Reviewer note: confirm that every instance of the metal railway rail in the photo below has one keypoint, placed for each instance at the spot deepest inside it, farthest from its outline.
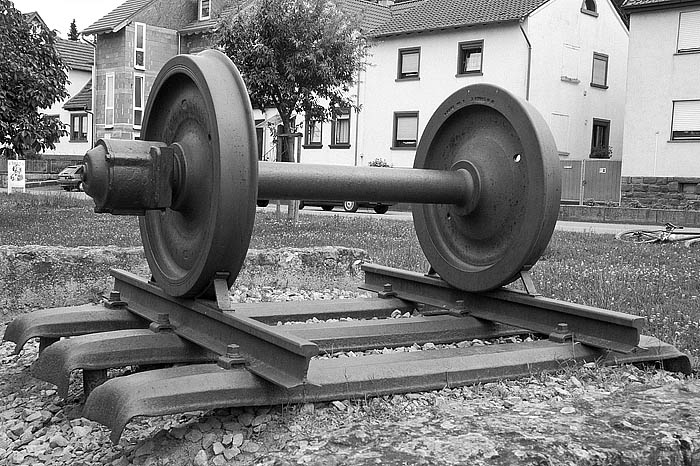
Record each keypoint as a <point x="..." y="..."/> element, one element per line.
<point x="486" y="187"/>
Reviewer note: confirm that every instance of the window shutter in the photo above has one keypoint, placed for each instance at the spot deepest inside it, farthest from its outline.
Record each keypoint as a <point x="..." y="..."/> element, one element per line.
<point x="406" y="128"/>
<point x="689" y="31"/>
<point x="686" y="115"/>
<point x="409" y="63"/>
<point x="600" y="66"/>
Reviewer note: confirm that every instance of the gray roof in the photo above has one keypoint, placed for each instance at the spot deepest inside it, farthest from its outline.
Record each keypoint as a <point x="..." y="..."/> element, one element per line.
<point x="656" y="4"/>
<point x="431" y="15"/>
<point x="76" y="55"/>
<point x="115" y="18"/>
<point x="82" y="100"/>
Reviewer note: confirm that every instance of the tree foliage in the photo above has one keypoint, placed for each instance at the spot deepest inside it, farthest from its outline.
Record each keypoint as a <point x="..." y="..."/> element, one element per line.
<point x="73" y="31"/>
<point x="32" y="77"/>
<point x="295" y="56"/>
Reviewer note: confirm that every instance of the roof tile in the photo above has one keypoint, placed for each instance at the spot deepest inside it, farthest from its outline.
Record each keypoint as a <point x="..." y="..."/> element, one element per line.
<point x="116" y="17"/>
<point x="631" y="4"/>
<point x="444" y="14"/>
<point x="75" y="54"/>
<point x="82" y="100"/>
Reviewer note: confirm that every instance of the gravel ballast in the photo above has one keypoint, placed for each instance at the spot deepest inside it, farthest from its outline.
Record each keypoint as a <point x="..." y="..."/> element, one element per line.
<point x="581" y="415"/>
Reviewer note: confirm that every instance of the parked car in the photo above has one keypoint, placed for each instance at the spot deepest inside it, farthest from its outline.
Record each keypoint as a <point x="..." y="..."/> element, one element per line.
<point x="348" y="206"/>
<point x="71" y="178"/>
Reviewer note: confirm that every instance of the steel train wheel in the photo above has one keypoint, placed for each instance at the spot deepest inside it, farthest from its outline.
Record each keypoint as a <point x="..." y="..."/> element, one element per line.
<point x="637" y="236"/>
<point x="508" y="145"/>
<point x="200" y="102"/>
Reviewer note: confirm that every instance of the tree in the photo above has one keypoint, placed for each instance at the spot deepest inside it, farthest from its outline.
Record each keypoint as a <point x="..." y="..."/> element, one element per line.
<point x="73" y="32"/>
<point x="295" y="56"/>
<point x="32" y="77"/>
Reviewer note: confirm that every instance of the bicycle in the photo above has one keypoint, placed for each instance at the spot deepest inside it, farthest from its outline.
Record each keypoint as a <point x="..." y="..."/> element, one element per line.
<point x="669" y="234"/>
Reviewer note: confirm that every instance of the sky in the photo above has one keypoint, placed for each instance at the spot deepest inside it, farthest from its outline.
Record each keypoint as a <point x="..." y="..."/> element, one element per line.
<point x="58" y="14"/>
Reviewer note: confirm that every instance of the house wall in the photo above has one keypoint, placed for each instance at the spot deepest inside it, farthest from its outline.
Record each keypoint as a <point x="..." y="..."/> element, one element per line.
<point x="168" y="14"/>
<point x="77" y="79"/>
<point x="504" y="64"/>
<point x="658" y="76"/>
<point x="115" y="54"/>
<point x="561" y="24"/>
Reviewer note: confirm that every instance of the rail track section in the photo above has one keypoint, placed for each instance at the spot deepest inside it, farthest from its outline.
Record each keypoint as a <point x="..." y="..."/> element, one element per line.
<point x="486" y="190"/>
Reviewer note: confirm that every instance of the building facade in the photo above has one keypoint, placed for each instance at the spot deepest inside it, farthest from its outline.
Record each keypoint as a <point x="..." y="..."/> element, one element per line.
<point x="662" y="141"/>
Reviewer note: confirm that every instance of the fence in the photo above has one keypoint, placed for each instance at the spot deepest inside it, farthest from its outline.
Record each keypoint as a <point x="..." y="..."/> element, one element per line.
<point x="590" y="181"/>
<point x="47" y="166"/>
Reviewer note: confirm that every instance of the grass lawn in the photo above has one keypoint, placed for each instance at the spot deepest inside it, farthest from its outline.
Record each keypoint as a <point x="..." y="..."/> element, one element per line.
<point x="659" y="282"/>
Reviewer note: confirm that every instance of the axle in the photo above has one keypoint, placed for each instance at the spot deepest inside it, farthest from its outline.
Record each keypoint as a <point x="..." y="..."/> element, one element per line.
<point x="131" y="177"/>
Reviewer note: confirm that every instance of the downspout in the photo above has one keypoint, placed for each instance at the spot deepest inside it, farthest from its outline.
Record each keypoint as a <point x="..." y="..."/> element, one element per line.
<point x="529" y="59"/>
<point x="357" y="114"/>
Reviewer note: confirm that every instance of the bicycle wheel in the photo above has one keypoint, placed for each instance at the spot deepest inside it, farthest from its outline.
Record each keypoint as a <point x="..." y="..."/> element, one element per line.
<point x="637" y="236"/>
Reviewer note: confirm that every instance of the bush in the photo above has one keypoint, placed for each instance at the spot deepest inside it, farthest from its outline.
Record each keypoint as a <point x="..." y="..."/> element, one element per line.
<point x="379" y="162"/>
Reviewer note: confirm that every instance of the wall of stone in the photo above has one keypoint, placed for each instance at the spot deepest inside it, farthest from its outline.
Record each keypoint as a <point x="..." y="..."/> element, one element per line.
<point x="661" y="192"/>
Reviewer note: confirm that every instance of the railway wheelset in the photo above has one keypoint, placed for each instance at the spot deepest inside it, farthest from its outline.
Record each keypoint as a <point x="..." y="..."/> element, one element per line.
<point x="485" y="193"/>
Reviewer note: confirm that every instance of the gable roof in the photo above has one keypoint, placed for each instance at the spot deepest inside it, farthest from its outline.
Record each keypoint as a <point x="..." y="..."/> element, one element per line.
<point x="116" y="19"/>
<point x="656" y="4"/>
<point x="82" y="100"/>
<point x="232" y="7"/>
<point x="370" y="14"/>
<point x="76" y="55"/>
<point x="433" y="15"/>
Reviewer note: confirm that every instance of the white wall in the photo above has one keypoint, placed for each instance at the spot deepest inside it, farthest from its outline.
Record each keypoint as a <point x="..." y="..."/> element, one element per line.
<point x="504" y="64"/>
<point x="77" y="79"/>
<point x="658" y="76"/>
<point x="561" y="22"/>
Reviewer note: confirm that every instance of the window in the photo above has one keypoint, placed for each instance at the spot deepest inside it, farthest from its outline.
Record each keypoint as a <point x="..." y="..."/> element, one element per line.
<point x="686" y="120"/>
<point x="470" y="58"/>
<point x="689" y="31"/>
<point x="340" y="128"/>
<point x="78" y="127"/>
<point x="138" y="100"/>
<point x="140" y="46"/>
<point x="313" y="134"/>
<point x="600" y="148"/>
<point x="409" y="63"/>
<point x="589" y="7"/>
<point x="600" y="71"/>
<point x="109" y="100"/>
<point x="204" y="9"/>
<point x="569" y="63"/>
<point x="405" y="130"/>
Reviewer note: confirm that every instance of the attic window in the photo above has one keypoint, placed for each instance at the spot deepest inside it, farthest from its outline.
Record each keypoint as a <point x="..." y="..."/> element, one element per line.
<point x="204" y="9"/>
<point x="589" y="7"/>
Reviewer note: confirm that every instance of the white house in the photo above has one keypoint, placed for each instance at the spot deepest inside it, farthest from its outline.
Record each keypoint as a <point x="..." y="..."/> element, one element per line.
<point x="76" y="110"/>
<point x="567" y="57"/>
<point x="662" y="131"/>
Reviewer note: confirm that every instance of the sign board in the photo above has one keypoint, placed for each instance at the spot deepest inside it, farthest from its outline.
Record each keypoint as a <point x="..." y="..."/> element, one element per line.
<point x="16" y="177"/>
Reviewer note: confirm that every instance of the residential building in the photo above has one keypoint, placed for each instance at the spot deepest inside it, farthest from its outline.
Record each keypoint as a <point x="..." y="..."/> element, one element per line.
<point x="661" y="164"/>
<point x="76" y="110"/>
<point x="567" y="57"/>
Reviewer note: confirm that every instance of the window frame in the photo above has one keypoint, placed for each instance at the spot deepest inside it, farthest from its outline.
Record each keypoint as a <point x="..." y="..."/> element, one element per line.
<point x="138" y="49"/>
<point x="586" y="10"/>
<point x="82" y="130"/>
<point x="109" y="100"/>
<point x="462" y="47"/>
<point x="308" y="142"/>
<point x="400" y="75"/>
<point x="601" y="57"/>
<point x="397" y="144"/>
<point x="200" y="10"/>
<point x="679" y="50"/>
<point x="606" y="124"/>
<point x="342" y="113"/>
<point x="690" y="138"/>
<point x="139" y="108"/>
